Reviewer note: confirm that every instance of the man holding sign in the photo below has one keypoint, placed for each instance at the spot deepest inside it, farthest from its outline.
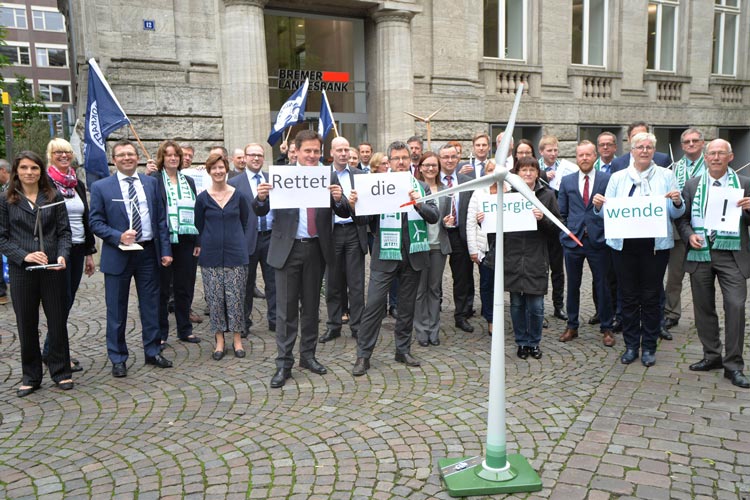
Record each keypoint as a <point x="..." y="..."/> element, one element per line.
<point x="301" y="246"/>
<point x="716" y="253"/>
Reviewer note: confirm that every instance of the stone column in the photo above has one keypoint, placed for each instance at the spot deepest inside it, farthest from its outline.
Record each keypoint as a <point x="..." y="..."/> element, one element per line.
<point x="244" y="74"/>
<point x="392" y="90"/>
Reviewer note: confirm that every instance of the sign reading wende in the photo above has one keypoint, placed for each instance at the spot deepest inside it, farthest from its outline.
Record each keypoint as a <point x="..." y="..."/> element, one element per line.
<point x="636" y="217"/>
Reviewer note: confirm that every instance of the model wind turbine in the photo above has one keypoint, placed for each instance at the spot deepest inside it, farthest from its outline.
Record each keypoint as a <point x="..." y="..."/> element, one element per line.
<point x="428" y="122"/>
<point x="496" y="472"/>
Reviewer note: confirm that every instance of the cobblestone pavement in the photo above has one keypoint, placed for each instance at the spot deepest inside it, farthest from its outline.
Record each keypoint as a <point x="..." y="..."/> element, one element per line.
<point x="592" y="427"/>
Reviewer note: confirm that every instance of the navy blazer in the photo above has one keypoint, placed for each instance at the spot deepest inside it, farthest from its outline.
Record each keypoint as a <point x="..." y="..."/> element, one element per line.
<point x="109" y="219"/>
<point x="242" y="184"/>
<point x="578" y="217"/>
<point x="622" y="162"/>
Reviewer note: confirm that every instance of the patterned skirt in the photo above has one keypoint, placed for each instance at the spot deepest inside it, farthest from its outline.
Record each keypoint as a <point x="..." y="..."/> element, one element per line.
<point x="224" y="291"/>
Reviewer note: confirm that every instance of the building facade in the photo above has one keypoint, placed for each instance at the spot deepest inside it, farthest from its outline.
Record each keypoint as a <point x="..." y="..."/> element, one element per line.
<point x="217" y="71"/>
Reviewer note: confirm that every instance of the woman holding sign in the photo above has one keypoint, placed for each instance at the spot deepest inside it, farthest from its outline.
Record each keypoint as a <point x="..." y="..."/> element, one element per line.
<point x="641" y="261"/>
<point x="35" y="232"/>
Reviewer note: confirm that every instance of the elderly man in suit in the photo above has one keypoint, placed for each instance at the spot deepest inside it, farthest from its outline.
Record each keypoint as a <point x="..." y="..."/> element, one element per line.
<point x="721" y="255"/>
<point x="404" y="261"/>
<point x="121" y="224"/>
<point x="577" y="212"/>
<point x="301" y="247"/>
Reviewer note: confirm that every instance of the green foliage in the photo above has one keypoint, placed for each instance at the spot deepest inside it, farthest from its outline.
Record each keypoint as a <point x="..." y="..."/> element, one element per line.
<point x="30" y="128"/>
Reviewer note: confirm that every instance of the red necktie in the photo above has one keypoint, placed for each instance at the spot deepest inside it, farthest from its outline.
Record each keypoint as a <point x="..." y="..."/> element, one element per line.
<point x="585" y="190"/>
<point x="454" y="213"/>
<point x="312" y="227"/>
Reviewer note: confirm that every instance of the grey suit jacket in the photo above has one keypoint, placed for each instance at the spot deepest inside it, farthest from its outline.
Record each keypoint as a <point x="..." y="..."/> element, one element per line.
<point x="361" y="230"/>
<point x="742" y="256"/>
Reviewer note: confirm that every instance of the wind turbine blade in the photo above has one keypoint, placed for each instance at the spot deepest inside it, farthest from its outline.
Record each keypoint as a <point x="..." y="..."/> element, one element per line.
<point x="415" y="116"/>
<point x="522" y="188"/>
<point x="487" y="180"/>
<point x="502" y="150"/>
<point x="436" y="112"/>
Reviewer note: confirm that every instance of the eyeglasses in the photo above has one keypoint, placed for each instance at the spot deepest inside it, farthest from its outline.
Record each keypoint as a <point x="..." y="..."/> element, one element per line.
<point x="692" y="141"/>
<point x="717" y="153"/>
<point x="126" y="155"/>
<point x="254" y="155"/>
<point x="427" y="166"/>
<point x="60" y="153"/>
<point x="606" y="144"/>
<point x="644" y="148"/>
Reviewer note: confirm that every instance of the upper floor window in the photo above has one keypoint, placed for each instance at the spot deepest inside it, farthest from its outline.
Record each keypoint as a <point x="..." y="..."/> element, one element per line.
<point x="11" y="87"/>
<point x="54" y="92"/>
<point x="13" y="17"/>
<point x="726" y="27"/>
<point x="47" y="20"/>
<point x="17" y="54"/>
<point x="505" y="29"/>
<point x="590" y="32"/>
<point x="55" y="56"/>
<point x="662" y="34"/>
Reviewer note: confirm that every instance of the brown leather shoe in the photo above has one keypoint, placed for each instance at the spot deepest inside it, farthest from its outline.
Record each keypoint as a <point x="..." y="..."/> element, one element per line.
<point x="608" y="339"/>
<point x="568" y="335"/>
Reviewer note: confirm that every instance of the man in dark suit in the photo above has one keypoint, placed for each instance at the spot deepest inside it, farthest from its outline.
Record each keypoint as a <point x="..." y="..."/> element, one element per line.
<point x="118" y="224"/>
<point x="365" y="154"/>
<point x="406" y="267"/>
<point x="301" y="246"/>
<point x="575" y="198"/>
<point x="347" y="271"/>
<point x="258" y="237"/>
<point x="461" y="265"/>
<point x="717" y="255"/>
<point x="480" y="145"/>
<point x="622" y="162"/>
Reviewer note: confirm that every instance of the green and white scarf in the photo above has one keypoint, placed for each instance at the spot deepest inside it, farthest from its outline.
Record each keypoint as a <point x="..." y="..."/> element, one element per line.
<point x="598" y="163"/>
<point x="180" y="207"/>
<point x="390" y="231"/>
<point x="683" y="172"/>
<point x="725" y="240"/>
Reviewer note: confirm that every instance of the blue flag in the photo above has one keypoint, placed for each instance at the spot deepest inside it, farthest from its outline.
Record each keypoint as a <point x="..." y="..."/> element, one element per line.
<point x="104" y="115"/>
<point x="293" y="111"/>
<point x="325" y="121"/>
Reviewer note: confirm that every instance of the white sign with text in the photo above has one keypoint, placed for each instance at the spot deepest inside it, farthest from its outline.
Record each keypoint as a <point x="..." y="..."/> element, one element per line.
<point x="636" y="217"/>
<point x="564" y="168"/>
<point x="382" y="193"/>
<point x="722" y="212"/>
<point x="293" y="186"/>
<point x="517" y="214"/>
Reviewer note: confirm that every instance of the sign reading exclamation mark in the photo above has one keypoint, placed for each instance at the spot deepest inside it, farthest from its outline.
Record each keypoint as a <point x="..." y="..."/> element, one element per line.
<point x="724" y="211"/>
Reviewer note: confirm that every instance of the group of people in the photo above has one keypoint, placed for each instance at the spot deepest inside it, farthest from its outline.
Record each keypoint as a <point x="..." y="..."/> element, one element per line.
<point x="157" y="228"/>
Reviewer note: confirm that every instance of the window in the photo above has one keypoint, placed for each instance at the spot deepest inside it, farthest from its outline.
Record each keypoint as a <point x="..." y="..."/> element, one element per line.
<point x="50" y="56"/>
<point x="505" y="29"/>
<point x="590" y="32"/>
<point x="11" y="87"/>
<point x="726" y="22"/>
<point x="662" y="34"/>
<point x="54" y="92"/>
<point x="18" y="55"/>
<point x="47" y="20"/>
<point x="13" y="17"/>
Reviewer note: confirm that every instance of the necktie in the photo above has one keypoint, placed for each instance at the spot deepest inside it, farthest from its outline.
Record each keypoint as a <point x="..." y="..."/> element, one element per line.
<point x="605" y="168"/>
<point x="481" y="168"/>
<point x="585" y="190"/>
<point x="135" y="213"/>
<point x="262" y="222"/>
<point x="454" y="213"/>
<point x="712" y="234"/>
<point x="312" y="227"/>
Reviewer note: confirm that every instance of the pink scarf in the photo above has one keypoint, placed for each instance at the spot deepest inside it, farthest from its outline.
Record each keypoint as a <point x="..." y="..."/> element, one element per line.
<point x="65" y="183"/>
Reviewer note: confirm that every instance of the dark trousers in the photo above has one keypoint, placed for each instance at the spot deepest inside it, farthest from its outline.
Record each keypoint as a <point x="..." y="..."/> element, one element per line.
<point x="298" y="300"/>
<point x="260" y="256"/>
<point x="377" y="291"/>
<point x="557" y="272"/>
<point x="142" y="266"/>
<point x="487" y="291"/>
<point x="598" y="259"/>
<point x="180" y="275"/>
<point x="612" y="290"/>
<point x="73" y="273"/>
<point x="642" y="272"/>
<point x="346" y="272"/>
<point x="29" y="288"/>
<point x="462" y="269"/>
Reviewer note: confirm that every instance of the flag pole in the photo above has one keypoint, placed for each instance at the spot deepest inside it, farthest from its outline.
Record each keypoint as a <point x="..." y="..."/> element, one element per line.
<point x="145" y="152"/>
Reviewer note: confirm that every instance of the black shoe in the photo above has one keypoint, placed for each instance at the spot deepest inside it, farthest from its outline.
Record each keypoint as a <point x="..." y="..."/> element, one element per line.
<point x="22" y="393"/>
<point x="664" y="334"/>
<point x="393" y="311"/>
<point x="407" y="359"/>
<point x="75" y="368"/>
<point x="271" y="326"/>
<point x="239" y="353"/>
<point x="464" y="325"/>
<point x="424" y="343"/>
<point x="522" y="352"/>
<point x="705" y="365"/>
<point x="360" y="367"/>
<point x="534" y="352"/>
<point x="617" y="326"/>
<point x="280" y="377"/>
<point x="329" y="335"/>
<point x="648" y="358"/>
<point x="629" y="356"/>
<point x="119" y="370"/>
<point x="435" y="342"/>
<point x="66" y="385"/>
<point x="258" y="293"/>
<point x="670" y="323"/>
<point x="594" y="320"/>
<point x="218" y="355"/>
<point x="560" y="314"/>
<point x="159" y="361"/>
<point x="738" y="378"/>
<point x="190" y="339"/>
<point x="313" y="365"/>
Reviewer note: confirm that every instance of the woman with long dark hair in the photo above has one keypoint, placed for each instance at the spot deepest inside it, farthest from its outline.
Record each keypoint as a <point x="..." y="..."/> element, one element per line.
<point x="30" y="236"/>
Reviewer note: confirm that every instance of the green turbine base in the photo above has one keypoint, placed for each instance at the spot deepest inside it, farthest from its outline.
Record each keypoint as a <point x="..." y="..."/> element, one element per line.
<point x="475" y="480"/>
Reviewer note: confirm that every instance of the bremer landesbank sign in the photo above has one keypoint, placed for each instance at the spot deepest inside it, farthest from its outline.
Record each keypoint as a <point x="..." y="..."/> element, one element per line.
<point x="330" y="81"/>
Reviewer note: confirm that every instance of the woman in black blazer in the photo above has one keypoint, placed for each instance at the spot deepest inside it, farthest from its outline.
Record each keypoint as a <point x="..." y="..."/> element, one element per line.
<point x="29" y="238"/>
<point x="178" y="196"/>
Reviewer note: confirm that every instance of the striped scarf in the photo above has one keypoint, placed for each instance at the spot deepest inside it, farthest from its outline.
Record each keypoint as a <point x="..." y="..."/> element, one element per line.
<point x="724" y="240"/>
<point x="683" y="171"/>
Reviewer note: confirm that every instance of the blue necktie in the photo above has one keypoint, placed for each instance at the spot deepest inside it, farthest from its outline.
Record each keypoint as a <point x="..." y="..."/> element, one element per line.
<point x="135" y="213"/>
<point x="262" y="222"/>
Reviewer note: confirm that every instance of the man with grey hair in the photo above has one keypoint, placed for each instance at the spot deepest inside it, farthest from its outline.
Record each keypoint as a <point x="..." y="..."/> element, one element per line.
<point x="722" y="255"/>
<point x="4" y="180"/>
